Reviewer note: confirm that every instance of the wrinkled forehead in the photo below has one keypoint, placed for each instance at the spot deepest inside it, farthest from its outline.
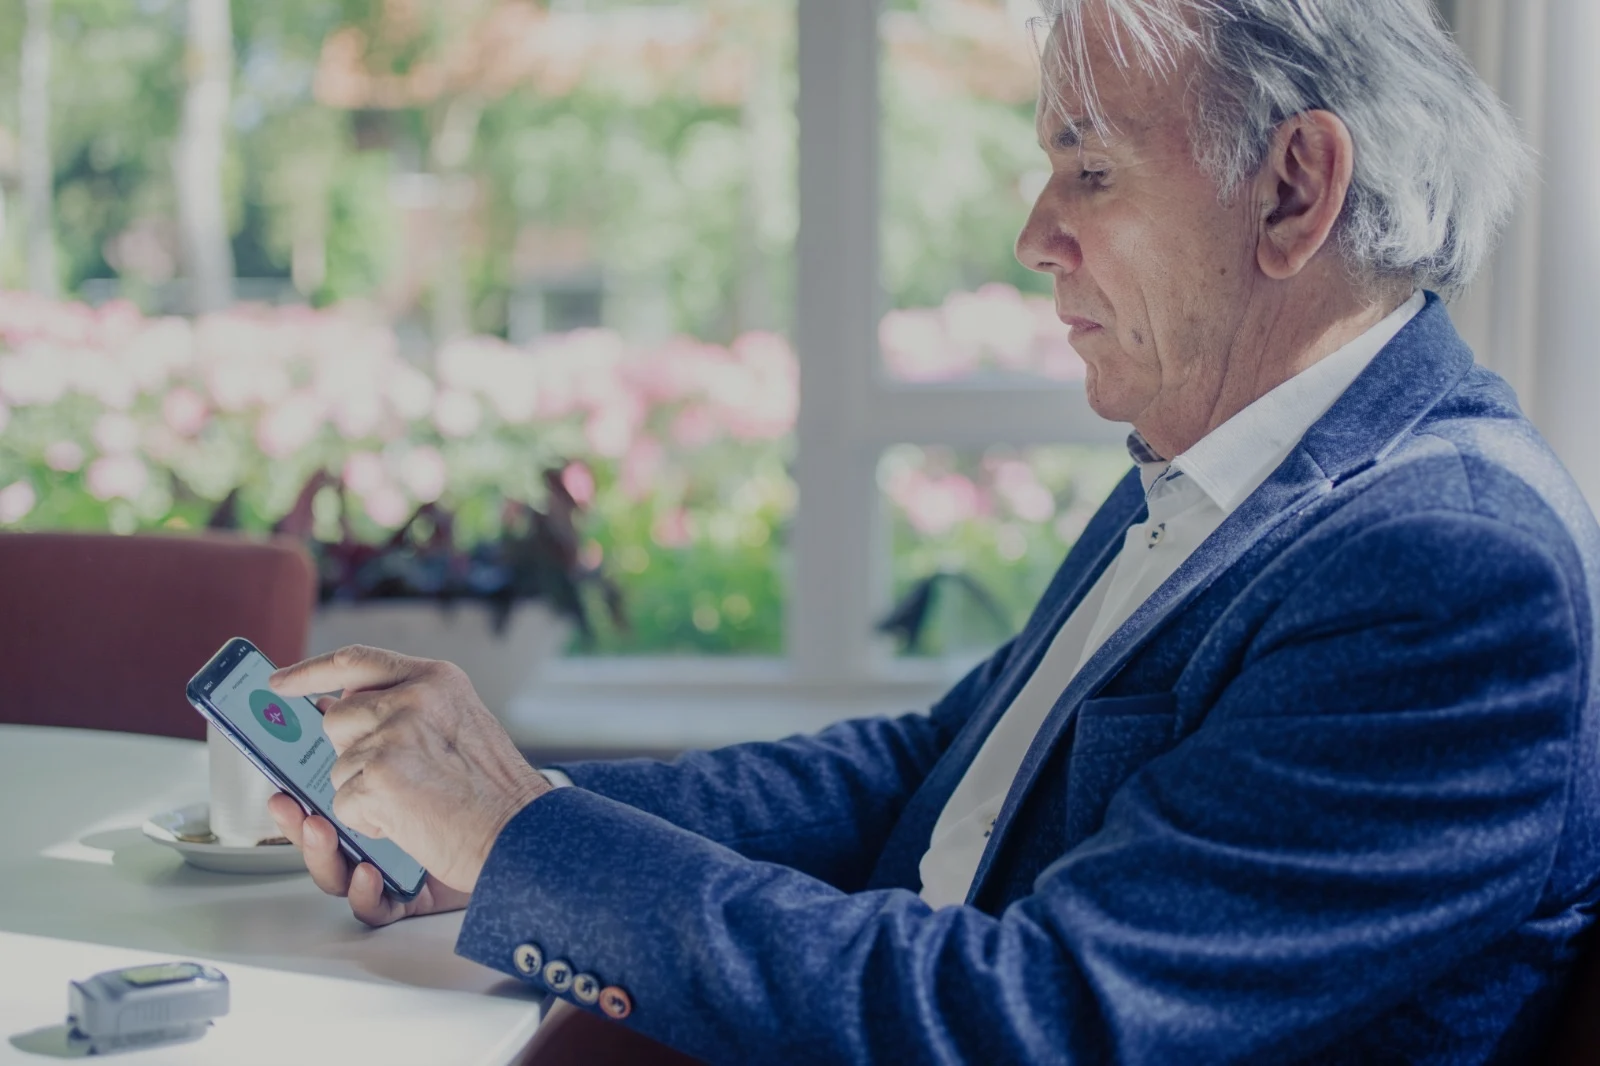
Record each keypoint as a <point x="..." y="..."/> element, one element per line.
<point x="1109" y="64"/>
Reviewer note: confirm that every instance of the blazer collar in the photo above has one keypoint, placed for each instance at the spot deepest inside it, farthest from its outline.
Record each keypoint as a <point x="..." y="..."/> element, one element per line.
<point x="1423" y="362"/>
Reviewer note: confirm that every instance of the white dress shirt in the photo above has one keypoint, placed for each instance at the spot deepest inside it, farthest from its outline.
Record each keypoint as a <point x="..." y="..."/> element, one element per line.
<point x="1187" y="499"/>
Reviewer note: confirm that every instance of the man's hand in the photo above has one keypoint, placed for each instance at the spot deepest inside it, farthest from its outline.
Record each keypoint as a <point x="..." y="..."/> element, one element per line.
<point x="362" y="885"/>
<point x="421" y="761"/>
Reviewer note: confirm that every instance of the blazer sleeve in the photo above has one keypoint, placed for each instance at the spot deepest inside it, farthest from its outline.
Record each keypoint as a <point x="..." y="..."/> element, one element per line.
<point x="1376" y="795"/>
<point x="823" y="804"/>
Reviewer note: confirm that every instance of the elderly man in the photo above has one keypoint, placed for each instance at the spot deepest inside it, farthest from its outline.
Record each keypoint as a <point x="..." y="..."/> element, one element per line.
<point x="1297" y="757"/>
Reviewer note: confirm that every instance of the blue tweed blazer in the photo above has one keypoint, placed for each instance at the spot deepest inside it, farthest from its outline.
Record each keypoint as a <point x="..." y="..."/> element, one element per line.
<point x="1331" y="795"/>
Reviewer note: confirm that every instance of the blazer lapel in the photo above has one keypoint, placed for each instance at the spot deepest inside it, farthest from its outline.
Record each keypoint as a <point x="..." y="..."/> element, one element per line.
<point x="902" y="854"/>
<point x="1406" y="379"/>
<point x="1296" y="483"/>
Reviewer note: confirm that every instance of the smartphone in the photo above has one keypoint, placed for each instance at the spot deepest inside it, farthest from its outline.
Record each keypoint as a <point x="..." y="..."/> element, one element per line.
<point x="284" y="738"/>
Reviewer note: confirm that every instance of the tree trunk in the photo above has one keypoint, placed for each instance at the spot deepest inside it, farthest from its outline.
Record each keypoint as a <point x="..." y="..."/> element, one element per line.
<point x="38" y="175"/>
<point x="449" y="152"/>
<point x="197" y="162"/>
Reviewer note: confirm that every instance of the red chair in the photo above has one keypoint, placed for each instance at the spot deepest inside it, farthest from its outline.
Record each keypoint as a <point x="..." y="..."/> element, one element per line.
<point x="571" y="1037"/>
<point x="103" y="632"/>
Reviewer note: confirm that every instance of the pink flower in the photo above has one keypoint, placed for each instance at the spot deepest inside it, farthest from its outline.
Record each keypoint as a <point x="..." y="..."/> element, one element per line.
<point x="289" y="426"/>
<point x="240" y="382"/>
<point x="671" y="529"/>
<point x="457" y="414"/>
<point x="184" y="411"/>
<point x="938" y="505"/>
<point x="916" y="348"/>
<point x="64" y="456"/>
<point x="116" y="434"/>
<point x="424" y="474"/>
<point x="158" y="349"/>
<point x="994" y="320"/>
<point x="99" y="375"/>
<point x="579" y="483"/>
<point x="356" y="415"/>
<point x="364" y="473"/>
<point x="515" y="396"/>
<point x="695" y="427"/>
<point x="112" y="476"/>
<point x="16" y="500"/>
<point x="35" y="376"/>
<point x="410" y="392"/>
<point x="641" y="466"/>
<point x="610" y="431"/>
<point x="471" y="364"/>
<point x="387" y="506"/>
<point x="760" y="398"/>
<point x="1017" y="485"/>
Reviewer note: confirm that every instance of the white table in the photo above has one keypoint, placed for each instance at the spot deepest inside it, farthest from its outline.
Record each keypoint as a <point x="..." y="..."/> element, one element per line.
<point x="82" y="890"/>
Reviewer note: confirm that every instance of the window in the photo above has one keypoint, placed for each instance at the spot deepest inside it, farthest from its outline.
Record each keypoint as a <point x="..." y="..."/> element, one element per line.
<point x="870" y="313"/>
<point x="805" y="209"/>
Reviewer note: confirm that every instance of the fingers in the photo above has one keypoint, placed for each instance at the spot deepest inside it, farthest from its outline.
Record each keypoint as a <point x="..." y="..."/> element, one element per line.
<point x="287" y="813"/>
<point x="320" y="845"/>
<point x="350" y="668"/>
<point x="367" y="899"/>
<point x="330" y="870"/>
<point x="349" y="764"/>
<point x="346" y="721"/>
<point x="352" y="805"/>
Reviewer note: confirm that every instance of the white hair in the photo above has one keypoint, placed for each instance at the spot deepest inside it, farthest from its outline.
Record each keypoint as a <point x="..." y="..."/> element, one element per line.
<point x="1439" y="162"/>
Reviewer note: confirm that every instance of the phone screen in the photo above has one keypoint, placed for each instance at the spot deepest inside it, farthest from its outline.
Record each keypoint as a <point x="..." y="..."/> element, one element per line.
<point x="287" y="733"/>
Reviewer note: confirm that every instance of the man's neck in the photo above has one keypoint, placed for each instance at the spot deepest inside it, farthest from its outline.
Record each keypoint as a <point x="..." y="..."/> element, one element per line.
<point x="1271" y="345"/>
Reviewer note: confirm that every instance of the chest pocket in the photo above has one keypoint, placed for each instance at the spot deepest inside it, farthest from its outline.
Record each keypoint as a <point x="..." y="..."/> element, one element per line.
<point x="1112" y="739"/>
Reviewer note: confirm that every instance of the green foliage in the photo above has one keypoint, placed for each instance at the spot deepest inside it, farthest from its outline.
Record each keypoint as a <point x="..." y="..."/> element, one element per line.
<point x="685" y="209"/>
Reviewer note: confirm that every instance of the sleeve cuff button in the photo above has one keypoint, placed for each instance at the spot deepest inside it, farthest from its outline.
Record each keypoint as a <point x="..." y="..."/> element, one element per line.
<point x="586" y="989"/>
<point x="616" y="1003"/>
<point x="558" y="975"/>
<point x="528" y="959"/>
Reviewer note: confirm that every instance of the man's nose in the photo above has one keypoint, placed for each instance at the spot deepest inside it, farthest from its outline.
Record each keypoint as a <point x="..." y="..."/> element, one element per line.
<point x="1048" y="242"/>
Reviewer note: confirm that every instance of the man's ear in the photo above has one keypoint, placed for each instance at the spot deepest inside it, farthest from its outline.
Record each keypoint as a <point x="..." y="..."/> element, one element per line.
<point x="1301" y="188"/>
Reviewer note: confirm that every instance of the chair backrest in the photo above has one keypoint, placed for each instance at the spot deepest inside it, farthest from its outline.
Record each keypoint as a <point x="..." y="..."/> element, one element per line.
<point x="568" y="1036"/>
<point x="103" y="632"/>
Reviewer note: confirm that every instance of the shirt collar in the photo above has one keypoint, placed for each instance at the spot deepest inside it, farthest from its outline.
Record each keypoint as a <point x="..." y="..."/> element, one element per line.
<point x="1231" y="461"/>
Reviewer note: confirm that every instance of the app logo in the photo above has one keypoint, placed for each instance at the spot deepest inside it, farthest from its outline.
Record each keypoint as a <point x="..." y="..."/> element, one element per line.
<point x="273" y="712"/>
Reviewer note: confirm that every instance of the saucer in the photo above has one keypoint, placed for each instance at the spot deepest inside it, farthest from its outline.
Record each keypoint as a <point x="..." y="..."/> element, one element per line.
<point x="195" y="821"/>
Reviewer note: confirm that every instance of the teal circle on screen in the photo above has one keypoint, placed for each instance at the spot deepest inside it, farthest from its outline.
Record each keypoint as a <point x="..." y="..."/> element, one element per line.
<point x="273" y="712"/>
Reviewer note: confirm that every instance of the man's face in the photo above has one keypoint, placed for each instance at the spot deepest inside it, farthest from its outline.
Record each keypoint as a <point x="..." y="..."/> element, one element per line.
<point x="1151" y="270"/>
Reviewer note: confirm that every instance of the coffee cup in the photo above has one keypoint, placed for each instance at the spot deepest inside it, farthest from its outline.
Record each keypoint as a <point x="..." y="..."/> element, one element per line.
<point x="239" y="794"/>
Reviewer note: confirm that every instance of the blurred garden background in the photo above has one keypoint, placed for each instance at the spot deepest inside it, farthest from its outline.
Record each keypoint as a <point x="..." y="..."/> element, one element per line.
<point x="435" y="248"/>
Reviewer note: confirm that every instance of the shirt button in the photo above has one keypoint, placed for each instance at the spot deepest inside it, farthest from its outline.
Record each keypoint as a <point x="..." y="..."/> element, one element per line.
<point x="558" y="975"/>
<point x="586" y="989"/>
<point x="528" y="959"/>
<point x="616" y="1003"/>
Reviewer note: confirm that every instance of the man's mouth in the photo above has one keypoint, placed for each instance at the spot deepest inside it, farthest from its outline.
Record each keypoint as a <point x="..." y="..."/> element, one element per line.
<point x="1079" y="325"/>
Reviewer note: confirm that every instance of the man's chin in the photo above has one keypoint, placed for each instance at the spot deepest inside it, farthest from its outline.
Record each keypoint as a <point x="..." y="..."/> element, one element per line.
<point x="1107" y="399"/>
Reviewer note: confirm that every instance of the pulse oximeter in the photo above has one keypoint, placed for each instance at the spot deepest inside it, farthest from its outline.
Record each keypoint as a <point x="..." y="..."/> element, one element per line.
<point x="143" y="1006"/>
